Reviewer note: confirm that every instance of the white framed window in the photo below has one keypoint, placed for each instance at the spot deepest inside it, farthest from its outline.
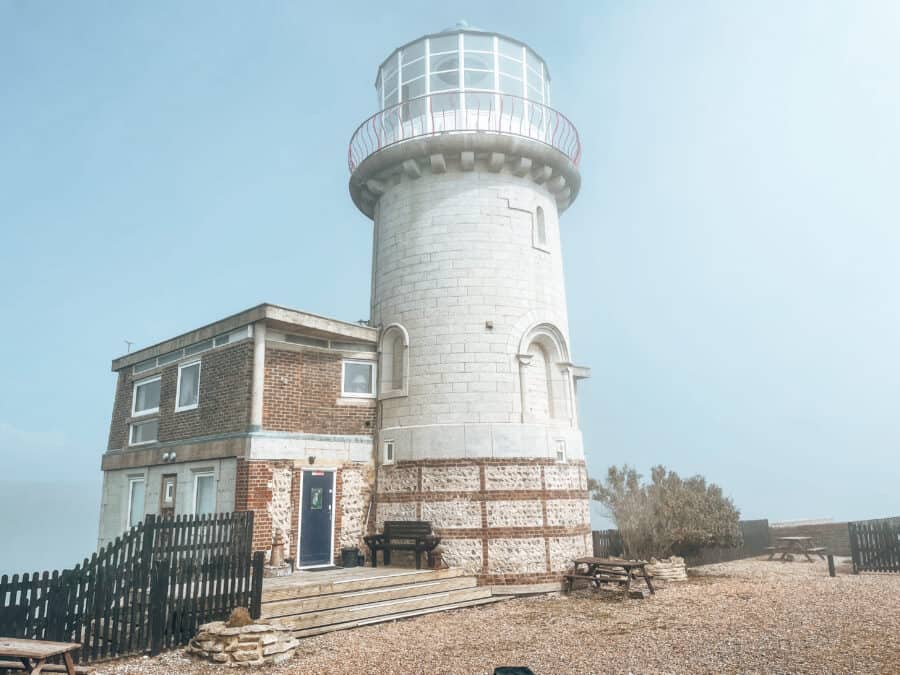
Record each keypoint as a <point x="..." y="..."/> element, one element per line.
<point x="204" y="492"/>
<point x="135" y="501"/>
<point x="144" y="432"/>
<point x="358" y="379"/>
<point x="187" y="392"/>
<point x="561" y="451"/>
<point x="145" y="397"/>
<point x="388" y="456"/>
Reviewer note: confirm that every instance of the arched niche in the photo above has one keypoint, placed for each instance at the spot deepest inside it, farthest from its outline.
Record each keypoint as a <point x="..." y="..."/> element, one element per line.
<point x="393" y="373"/>
<point x="545" y="376"/>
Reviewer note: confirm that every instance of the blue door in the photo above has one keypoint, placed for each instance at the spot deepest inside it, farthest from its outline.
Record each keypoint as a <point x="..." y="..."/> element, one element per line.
<point x="316" y="518"/>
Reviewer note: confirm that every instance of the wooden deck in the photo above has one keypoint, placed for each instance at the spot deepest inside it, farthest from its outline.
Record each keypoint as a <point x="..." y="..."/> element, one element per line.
<point x="314" y="602"/>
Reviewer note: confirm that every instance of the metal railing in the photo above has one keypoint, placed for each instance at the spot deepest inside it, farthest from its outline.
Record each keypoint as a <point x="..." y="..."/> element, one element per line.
<point x="468" y="112"/>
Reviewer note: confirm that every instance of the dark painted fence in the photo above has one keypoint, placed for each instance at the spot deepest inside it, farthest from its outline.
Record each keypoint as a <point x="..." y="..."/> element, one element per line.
<point x="754" y="533"/>
<point x="607" y="543"/>
<point x="875" y="545"/>
<point x="145" y="592"/>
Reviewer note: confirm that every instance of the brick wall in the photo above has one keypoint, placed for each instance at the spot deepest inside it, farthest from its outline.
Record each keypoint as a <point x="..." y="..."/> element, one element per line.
<point x="225" y="380"/>
<point x="303" y="394"/>
<point x="253" y="492"/>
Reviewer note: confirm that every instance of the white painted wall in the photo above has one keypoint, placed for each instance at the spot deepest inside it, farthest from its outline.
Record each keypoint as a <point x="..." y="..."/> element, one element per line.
<point x="114" y="507"/>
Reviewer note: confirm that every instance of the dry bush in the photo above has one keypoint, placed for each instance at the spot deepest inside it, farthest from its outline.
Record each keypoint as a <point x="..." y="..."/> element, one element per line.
<point x="669" y="515"/>
<point x="239" y="618"/>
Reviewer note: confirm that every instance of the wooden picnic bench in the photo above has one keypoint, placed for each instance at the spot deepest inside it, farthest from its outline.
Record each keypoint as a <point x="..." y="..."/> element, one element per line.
<point x="403" y="535"/>
<point x="609" y="571"/>
<point x="790" y="546"/>
<point x="31" y="656"/>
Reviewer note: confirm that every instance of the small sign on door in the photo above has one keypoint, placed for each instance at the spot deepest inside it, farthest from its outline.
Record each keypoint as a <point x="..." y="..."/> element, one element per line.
<point x="315" y="498"/>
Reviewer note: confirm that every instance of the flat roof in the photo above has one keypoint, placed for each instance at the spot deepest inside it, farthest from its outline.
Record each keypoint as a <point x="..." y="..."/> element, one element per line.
<point x="273" y="315"/>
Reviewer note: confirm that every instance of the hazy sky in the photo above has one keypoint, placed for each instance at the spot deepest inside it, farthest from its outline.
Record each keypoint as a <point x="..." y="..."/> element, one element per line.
<point x="731" y="261"/>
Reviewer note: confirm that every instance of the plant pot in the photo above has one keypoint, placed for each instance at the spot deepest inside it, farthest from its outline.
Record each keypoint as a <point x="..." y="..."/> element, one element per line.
<point x="349" y="556"/>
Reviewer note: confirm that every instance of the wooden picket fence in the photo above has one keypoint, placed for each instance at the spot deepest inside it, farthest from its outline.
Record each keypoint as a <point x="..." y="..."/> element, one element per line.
<point x="607" y="543"/>
<point x="875" y="545"/>
<point x="145" y="592"/>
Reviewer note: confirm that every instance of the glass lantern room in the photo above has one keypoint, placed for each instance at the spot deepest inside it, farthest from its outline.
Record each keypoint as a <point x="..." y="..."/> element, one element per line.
<point x="463" y="80"/>
<point x="470" y="63"/>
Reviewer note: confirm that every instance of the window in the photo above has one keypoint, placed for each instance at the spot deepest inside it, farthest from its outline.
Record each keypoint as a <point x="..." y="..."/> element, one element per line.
<point x="146" y="397"/>
<point x="187" y="393"/>
<point x="135" y="501"/>
<point x="204" y="493"/>
<point x="144" y="432"/>
<point x="540" y="228"/>
<point x="560" y="451"/>
<point x="358" y="379"/>
<point x="388" y="453"/>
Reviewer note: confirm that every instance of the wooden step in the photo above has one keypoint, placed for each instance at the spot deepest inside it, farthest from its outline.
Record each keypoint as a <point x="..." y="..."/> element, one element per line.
<point x="319" y="630"/>
<point x="370" y="610"/>
<point x="295" y="587"/>
<point x="295" y="606"/>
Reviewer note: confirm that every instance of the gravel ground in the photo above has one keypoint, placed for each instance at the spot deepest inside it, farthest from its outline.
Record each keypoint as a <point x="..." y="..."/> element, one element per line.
<point x="750" y="616"/>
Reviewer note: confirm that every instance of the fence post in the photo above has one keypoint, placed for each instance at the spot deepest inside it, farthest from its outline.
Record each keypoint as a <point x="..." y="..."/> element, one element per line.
<point x="259" y="559"/>
<point x="159" y="583"/>
<point x="854" y="547"/>
<point x="830" y="565"/>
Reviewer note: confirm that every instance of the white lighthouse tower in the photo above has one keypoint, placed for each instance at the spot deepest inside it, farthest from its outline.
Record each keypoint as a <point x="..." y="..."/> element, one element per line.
<point x="465" y="170"/>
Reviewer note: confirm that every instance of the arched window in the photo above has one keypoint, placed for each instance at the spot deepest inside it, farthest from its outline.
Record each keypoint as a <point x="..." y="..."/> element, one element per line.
<point x="540" y="228"/>
<point x="394" y="371"/>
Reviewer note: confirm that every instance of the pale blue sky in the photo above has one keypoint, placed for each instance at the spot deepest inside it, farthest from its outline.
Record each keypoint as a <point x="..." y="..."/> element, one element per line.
<point x="731" y="262"/>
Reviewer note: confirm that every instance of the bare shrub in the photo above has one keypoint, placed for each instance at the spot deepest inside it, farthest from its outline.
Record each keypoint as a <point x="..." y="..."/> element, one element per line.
<point x="669" y="515"/>
<point x="239" y="618"/>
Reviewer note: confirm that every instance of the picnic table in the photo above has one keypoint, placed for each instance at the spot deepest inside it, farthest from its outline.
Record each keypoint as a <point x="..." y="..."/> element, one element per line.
<point x="609" y="570"/>
<point x="790" y="546"/>
<point x="31" y="655"/>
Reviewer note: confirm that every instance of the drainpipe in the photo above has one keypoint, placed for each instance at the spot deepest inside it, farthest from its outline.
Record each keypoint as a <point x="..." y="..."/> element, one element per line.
<point x="259" y="376"/>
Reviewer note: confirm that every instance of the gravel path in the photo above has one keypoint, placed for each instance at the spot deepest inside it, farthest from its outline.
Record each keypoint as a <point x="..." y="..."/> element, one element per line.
<point x="749" y="616"/>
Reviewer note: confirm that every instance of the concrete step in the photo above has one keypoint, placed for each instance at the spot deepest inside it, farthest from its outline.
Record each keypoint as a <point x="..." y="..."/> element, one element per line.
<point x="289" y="588"/>
<point x="319" y="630"/>
<point x="372" y="610"/>
<point x="297" y="606"/>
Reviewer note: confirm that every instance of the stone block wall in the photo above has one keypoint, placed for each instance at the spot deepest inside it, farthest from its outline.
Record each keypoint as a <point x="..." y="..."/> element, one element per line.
<point x="515" y="521"/>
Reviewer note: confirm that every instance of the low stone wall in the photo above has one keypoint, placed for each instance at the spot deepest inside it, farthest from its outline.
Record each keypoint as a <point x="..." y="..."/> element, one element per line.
<point x="833" y="536"/>
<point x="668" y="569"/>
<point x="254" y="645"/>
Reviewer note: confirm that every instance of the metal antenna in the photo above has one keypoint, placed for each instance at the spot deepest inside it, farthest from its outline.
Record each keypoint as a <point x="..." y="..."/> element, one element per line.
<point x="129" y="343"/>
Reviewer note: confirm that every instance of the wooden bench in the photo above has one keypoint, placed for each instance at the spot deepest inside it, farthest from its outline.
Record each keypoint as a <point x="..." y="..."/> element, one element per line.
<point x="31" y="656"/>
<point x="17" y="667"/>
<point x="403" y="535"/>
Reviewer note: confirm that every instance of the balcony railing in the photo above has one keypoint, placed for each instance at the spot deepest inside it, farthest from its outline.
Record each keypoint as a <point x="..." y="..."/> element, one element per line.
<point x="469" y="112"/>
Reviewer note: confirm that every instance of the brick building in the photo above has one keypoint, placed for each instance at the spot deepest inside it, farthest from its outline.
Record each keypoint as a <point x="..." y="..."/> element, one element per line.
<point x="456" y="403"/>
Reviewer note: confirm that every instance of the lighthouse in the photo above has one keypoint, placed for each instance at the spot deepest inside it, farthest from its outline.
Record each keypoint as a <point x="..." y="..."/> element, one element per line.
<point x="465" y="170"/>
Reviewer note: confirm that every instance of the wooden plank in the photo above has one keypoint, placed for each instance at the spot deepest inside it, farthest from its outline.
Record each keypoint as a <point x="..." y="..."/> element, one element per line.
<point x="356" y="579"/>
<point x="375" y="609"/>
<point x="288" y="608"/>
<point x="319" y="630"/>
